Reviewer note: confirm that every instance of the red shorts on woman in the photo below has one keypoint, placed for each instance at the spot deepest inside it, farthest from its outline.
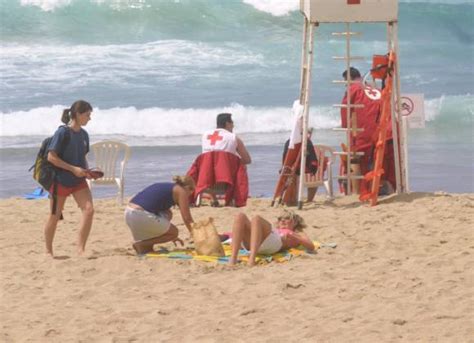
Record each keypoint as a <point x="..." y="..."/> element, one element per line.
<point x="65" y="191"/>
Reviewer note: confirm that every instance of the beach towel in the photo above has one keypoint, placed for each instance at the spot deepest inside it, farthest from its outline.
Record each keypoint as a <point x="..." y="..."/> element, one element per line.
<point x="280" y="257"/>
<point x="38" y="193"/>
<point x="215" y="167"/>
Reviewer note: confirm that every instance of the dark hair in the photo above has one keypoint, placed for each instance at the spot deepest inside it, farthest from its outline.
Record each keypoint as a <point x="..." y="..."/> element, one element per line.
<point x="354" y="72"/>
<point x="222" y="119"/>
<point x="80" y="106"/>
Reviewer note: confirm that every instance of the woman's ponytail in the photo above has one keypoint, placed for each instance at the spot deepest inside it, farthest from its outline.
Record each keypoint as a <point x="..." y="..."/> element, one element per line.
<point x="66" y="117"/>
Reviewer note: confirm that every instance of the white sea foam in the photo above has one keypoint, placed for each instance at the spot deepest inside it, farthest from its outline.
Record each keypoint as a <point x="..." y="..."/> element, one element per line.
<point x="176" y="122"/>
<point x="178" y="127"/>
<point x="276" y="8"/>
<point x="46" y="5"/>
<point x="162" y="122"/>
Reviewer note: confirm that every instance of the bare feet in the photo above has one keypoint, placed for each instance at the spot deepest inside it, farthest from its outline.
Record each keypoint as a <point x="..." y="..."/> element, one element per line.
<point x="141" y="248"/>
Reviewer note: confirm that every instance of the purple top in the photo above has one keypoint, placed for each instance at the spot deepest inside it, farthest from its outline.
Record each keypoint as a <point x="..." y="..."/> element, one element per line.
<point x="155" y="198"/>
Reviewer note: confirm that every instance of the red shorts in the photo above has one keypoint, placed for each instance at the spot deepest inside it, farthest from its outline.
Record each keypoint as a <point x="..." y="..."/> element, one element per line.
<point x="64" y="191"/>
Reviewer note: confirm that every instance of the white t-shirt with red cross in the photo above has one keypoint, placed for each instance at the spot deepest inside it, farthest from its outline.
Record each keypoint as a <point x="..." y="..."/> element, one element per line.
<point x="219" y="139"/>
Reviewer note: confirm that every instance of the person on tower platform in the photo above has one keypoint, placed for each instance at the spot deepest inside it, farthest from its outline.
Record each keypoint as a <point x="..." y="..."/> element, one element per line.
<point x="365" y="118"/>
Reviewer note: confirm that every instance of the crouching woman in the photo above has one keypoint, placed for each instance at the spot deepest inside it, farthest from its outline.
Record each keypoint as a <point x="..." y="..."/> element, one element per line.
<point x="148" y="214"/>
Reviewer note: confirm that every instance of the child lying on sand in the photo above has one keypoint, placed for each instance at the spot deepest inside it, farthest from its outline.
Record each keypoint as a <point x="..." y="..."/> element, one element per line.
<point x="260" y="237"/>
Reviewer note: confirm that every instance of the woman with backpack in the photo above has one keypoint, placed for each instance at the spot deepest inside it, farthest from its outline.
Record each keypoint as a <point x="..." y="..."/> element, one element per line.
<point x="67" y="153"/>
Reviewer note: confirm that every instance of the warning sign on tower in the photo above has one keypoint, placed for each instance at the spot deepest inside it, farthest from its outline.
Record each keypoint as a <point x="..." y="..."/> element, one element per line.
<point x="413" y="109"/>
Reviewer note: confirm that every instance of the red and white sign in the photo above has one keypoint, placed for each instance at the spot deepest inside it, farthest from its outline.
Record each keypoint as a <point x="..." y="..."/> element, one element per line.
<point x="407" y="106"/>
<point x="413" y="109"/>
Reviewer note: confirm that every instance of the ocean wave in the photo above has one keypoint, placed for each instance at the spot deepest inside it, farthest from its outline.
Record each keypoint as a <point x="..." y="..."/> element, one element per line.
<point x="173" y="122"/>
<point x="139" y="21"/>
<point x="162" y="122"/>
<point x="102" y="63"/>
<point x="276" y="8"/>
<point x="450" y="111"/>
<point x="208" y="53"/>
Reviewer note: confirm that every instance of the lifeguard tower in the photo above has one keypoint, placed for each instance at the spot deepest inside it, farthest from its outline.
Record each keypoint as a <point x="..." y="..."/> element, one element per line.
<point x="348" y="12"/>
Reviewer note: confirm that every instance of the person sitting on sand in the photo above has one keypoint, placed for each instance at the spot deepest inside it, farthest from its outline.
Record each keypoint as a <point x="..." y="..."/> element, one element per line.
<point x="148" y="214"/>
<point x="221" y="168"/>
<point x="311" y="166"/>
<point x="258" y="235"/>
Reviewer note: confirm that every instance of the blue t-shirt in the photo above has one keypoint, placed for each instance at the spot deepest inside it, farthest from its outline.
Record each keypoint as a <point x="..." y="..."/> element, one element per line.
<point x="155" y="198"/>
<point x="73" y="153"/>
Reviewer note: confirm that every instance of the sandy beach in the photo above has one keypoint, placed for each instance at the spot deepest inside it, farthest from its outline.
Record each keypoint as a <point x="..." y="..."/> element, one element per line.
<point x="401" y="272"/>
<point x="157" y="73"/>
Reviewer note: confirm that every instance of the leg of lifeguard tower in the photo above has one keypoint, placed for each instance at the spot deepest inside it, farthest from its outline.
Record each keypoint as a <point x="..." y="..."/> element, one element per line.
<point x="403" y="153"/>
<point x="396" y="128"/>
<point x="304" y="100"/>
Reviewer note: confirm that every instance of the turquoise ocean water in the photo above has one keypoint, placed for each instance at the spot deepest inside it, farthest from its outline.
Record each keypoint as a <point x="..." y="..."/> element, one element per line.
<point x="158" y="72"/>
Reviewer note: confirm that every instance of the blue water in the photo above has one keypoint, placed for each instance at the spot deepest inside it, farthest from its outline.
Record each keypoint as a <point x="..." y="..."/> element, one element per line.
<point x="158" y="72"/>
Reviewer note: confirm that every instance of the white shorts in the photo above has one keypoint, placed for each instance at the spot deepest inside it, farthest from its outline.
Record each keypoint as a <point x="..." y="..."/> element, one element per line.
<point x="270" y="245"/>
<point x="145" y="225"/>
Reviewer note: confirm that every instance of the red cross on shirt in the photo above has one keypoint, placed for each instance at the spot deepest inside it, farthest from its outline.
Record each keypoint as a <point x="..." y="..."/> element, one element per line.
<point x="214" y="137"/>
<point x="372" y="91"/>
<point x="353" y="2"/>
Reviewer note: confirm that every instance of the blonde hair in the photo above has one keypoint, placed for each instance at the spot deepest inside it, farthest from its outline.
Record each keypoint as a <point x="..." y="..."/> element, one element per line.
<point x="185" y="181"/>
<point x="297" y="220"/>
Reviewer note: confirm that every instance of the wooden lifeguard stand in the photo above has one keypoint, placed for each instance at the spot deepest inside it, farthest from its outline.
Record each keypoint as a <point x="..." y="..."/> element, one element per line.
<point x="318" y="12"/>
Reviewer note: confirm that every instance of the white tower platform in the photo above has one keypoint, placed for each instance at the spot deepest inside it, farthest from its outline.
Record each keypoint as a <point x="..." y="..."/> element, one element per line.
<point x="350" y="11"/>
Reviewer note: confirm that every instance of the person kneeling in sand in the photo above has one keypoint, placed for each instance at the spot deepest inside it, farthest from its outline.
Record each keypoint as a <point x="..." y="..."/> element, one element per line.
<point x="148" y="214"/>
<point x="258" y="235"/>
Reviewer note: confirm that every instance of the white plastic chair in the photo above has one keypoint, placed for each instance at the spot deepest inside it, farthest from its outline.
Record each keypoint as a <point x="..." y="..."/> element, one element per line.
<point x="106" y="155"/>
<point x="323" y="176"/>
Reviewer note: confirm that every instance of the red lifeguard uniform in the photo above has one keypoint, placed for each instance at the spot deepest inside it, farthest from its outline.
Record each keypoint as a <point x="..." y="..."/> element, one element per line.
<point x="367" y="119"/>
<point x="220" y="163"/>
<point x="214" y="167"/>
